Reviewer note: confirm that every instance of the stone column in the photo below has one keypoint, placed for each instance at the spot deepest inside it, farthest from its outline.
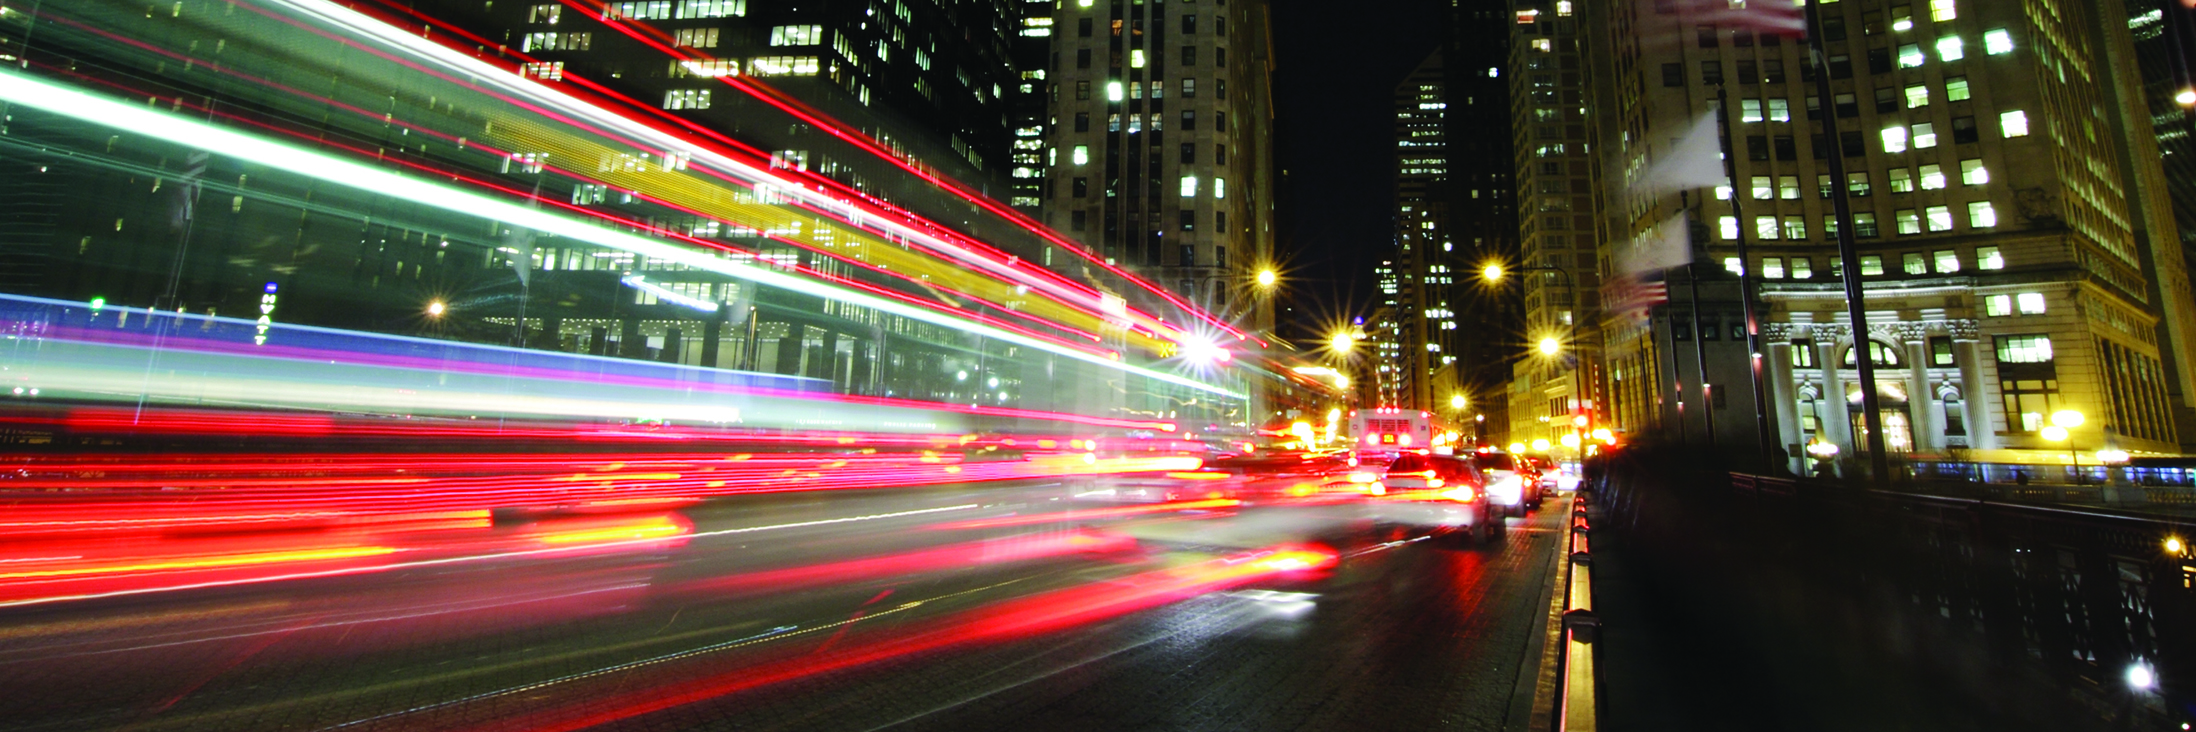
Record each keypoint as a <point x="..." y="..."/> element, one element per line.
<point x="1975" y="396"/>
<point x="1837" y="423"/>
<point x="1783" y="394"/>
<point x="1921" y="401"/>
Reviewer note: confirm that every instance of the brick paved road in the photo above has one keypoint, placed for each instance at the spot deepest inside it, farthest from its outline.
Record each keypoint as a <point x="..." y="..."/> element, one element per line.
<point x="831" y="613"/>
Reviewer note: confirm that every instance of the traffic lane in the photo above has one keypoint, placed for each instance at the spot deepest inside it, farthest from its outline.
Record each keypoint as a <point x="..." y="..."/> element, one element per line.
<point x="327" y="649"/>
<point x="1409" y="632"/>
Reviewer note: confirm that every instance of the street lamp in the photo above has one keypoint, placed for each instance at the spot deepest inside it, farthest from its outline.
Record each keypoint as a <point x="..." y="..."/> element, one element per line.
<point x="1457" y="402"/>
<point x="1342" y="343"/>
<point x="1549" y="346"/>
<point x="1267" y="277"/>
<point x="2064" y="421"/>
<point x="435" y="309"/>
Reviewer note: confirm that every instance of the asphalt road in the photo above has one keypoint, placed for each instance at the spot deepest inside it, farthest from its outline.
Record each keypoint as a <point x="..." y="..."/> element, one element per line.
<point x="940" y="609"/>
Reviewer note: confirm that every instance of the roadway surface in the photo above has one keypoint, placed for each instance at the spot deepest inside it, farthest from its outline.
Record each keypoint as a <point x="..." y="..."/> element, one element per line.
<point x="952" y="608"/>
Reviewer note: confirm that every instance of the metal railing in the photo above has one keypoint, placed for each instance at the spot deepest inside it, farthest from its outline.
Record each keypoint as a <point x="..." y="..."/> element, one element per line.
<point x="1576" y="706"/>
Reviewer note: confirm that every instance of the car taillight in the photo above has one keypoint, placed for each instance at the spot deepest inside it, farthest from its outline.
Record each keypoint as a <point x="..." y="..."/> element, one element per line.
<point x="1461" y="494"/>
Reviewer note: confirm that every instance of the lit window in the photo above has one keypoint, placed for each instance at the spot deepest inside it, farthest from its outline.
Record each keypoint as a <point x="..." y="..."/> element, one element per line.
<point x="1871" y="265"/>
<point x="1762" y="190"/>
<point x="2014" y="123"/>
<point x="686" y="99"/>
<point x="1982" y="216"/>
<point x="1189" y="186"/>
<point x="1913" y="264"/>
<point x="1732" y="265"/>
<point x="1947" y="261"/>
<point x="796" y="35"/>
<point x="2030" y="303"/>
<point x="1910" y="55"/>
<point x="1902" y="180"/>
<point x="1136" y="58"/>
<point x="782" y="66"/>
<point x="1955" y="88"/>
<point x="1780" y="110"/>
<point x="1998" y="306"/>
<point x="1795" y="227"/>
<point x="1917" y="96"/>
<point x="1788" y="187"/>
<point x="1772" y="268"/>
<point x="1973" y="173"/>
<point x="1940" y="218"/>
<point x="1988" y="258"/>
<point x="1909" y="221"/>
<point x="1749" y="110"/>
<point x="1894" y="139"/>
<point x="1932" y="177"/>
<point x="1902" y="18"/>
<point x="1219" y="188"/>
<point x="1802" y="268"/>
<point x="1723" y="193"/>
<point x="1997" y="41"/>
<point x="2024" y="349"/>
<point x="1082" y="155"/>
<point x="1925" y="135"/>
<point x="695" y="38"/>
<point x="1563" y="8"/>
<point x="1942" y="10"/>
<point x="1728" y="226"/>
<point x="1951" y="48"/>
<point x="1765" y="228"/>
<point x="1113" y="91"/>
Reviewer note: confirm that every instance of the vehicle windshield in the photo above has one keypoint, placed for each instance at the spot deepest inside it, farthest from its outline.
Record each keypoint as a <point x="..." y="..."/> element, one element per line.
<point x="1496" y="461"/>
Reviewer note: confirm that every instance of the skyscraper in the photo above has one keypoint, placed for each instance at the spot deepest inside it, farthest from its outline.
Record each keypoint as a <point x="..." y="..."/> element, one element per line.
<point x="1159" y="149"/>
<point x="1482" y="213"/>
<point x="1423" y="240"/>
<point x="1558" y="234"/>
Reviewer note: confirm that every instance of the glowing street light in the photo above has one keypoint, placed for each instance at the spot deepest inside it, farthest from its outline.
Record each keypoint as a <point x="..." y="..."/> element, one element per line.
<point x="2067" y="418"/>
<point x="1516" y="447"/>
<point x="1492" y="274"/>
<point x="1550" y="346"/>
<point x="1267" y="277"/>
<point x="435" y="309"/>
<point x="1457" y="401"/>
<point x="1570" y="440"/>
<point x="2187" y="98"/>
<point x="1342" y="343"/>
<point x="1540" y="444"/>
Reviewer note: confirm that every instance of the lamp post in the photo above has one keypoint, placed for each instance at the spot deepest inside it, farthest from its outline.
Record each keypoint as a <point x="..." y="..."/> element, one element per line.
<point x="1548" y="345"/>
<point x="2063" y="423"/>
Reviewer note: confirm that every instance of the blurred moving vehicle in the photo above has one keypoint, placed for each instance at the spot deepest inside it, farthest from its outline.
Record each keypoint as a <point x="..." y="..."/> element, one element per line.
<point x="1441" y="491"/>
<point x="1512" y="481"/>
<point x="1388" y="430"/>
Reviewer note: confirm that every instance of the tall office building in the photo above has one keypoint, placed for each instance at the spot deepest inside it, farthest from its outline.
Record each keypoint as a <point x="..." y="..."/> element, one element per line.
<point x="1159" y="153"/>
<point x="1482" y="215"/>
<point x="2012" y="234"/>
<point x="2160" y="32"/>
<point x="1423" y="240"/>
<point x="1558" y="232"/>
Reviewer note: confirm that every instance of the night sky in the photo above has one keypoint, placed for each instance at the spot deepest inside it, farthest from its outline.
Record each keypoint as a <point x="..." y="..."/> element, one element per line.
<point x="1334" y="84"/>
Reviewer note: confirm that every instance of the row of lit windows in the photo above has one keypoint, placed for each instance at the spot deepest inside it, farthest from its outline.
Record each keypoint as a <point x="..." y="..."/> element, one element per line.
<point x="1902" y="179"/>
<point x="1936" y="219"/>
<point x="1942" y="261"/>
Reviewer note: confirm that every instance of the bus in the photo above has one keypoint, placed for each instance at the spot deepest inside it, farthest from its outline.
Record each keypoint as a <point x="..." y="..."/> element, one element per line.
<point x="1389" y="430"/>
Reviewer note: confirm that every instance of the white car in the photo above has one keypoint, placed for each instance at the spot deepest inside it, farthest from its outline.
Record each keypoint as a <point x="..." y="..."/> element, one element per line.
<point x="1506" y="481"/>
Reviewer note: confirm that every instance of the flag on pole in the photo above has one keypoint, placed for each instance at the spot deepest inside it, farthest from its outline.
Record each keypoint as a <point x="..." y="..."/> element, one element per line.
<point x="1692" y="161"/>
<point x="1630" y="297"/>
<point x="1668" y="244"/>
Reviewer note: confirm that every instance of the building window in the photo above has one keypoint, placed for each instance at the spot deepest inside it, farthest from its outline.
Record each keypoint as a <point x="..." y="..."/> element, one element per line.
<point x="793" y="35"/>
<point x="1762" y="190"/>
<point x="1951" y="48"/>
<point x="1946" y="261"/>
<point x="1864" y="225"/>
<point x="1187" y="256"/>
<point x="1082" y="121"/>
<point x="1997" y="41"/>
<point x="686" y="99"/>
<point x="1079" y="220"/>
<point x="1082" y="58"/>
<point x="1081" y="155"/>
<point x="1880" y="354"/>
<point x="1910" y="56"/>
<point x="1189" y="119"/>
<point x="782" y="66"/>
<point x="1988" y="258"/>
<point x="1856" y="184"/>
<point x="1189" y="220"/>
<point x="1802" y="268"/>
<point x="695" y="37"/>
<point x="1902" y="180"/>
<point x="1912" y="263"/>
<point x="1981" y="215"/>
<point x="1673" y="75"/>
<point x="1917" y="96"/>
<point x="1940" y="217"/>
<point x="1219" y="188"/>
<point x="1887" y="100"/>
<point x="1955" y="89"/>
<point x="1728" y="226"/>
<point x="1705" y="35"/>
<point x="1081" y="187"/>
<point x="1788" y="187"/>
<point x="1932" y="176"/>
<point x="1189" y="186"/>
<point x="2028" y="380"/>
<point x="1909" y="221"/>
<point x="1711" y="72"/>
<point x="1219" y="57"/>
<point x="1894" y="139"/>
<point x="1841" y="67"/>
<point x="2029" y="303"/>
<point x="1997" y="306"/>
<point x="1189" y="25"/>
<point x="1082" y="91"/>
<point x="1972" y="172"/>
<point x="1219" y="154"/>
<point x="1871" y="265"/>
<point x="2013" y="124"/>
<point x="1795" y="227"/>
<point x="1772" y="268"/>
<point x="1765" y="229"/>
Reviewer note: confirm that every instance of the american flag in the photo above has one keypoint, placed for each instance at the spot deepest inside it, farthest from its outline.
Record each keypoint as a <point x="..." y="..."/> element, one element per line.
<point x="1786" y="18"/>
<point x="1630" y="297"/>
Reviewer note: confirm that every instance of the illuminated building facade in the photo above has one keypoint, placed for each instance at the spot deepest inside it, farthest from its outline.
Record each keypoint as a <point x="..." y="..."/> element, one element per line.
<point x="1558" y="234"/>
<point x="2017" y="247"/>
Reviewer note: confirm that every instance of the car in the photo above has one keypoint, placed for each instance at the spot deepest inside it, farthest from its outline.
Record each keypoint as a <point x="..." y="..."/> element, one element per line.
<point x="1511" y="481"/>
<point x="1443" y="492"/>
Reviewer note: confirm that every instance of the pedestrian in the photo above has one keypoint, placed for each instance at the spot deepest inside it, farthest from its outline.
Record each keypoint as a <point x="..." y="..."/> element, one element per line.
<point x="2020" y="477"/>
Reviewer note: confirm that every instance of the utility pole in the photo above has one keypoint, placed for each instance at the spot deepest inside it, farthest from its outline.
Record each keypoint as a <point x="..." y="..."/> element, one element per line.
<point x="1856" y="309"/>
